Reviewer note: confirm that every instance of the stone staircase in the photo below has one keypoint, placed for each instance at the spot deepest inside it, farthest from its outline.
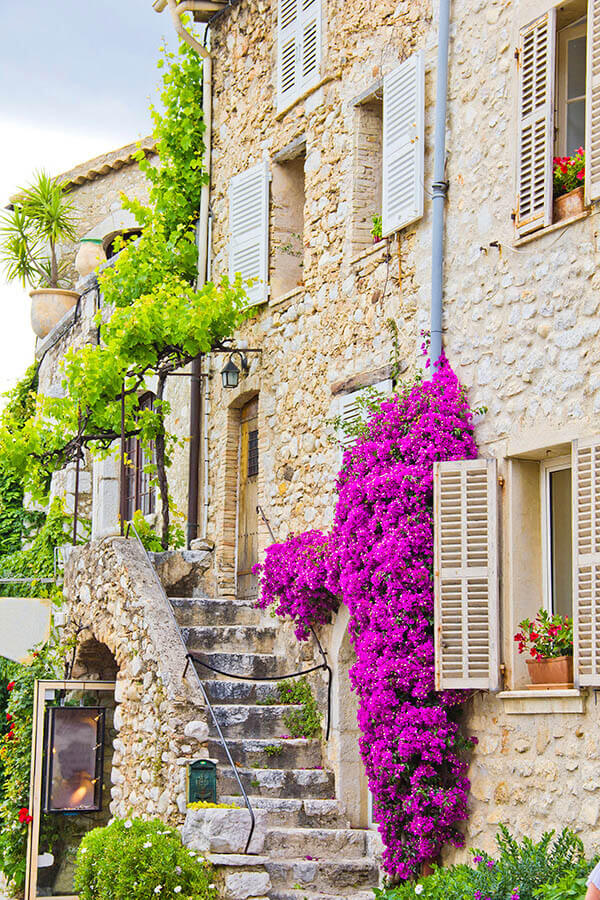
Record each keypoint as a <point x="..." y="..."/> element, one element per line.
<point x="306" y="847"/>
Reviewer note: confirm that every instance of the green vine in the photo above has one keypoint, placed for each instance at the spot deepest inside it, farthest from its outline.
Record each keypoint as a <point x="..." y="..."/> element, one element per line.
<point x="304" y="722"/>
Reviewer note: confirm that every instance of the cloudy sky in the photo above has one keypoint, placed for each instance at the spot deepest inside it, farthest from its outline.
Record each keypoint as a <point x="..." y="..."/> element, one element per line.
<point x="75" y="81"/>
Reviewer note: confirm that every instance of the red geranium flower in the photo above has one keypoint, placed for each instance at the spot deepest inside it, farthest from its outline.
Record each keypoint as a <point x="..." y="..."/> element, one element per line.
<point x="10" y="685"/>
<point x="24" y="817"/>
<point x="8" y="717"/>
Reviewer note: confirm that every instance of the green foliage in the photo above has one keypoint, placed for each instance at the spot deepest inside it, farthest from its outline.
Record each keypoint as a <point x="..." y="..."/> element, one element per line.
<point x="8" y="670"/>
<point x="572" y="886"/>
<point x="522" y="871"/>
<point x="304" y="722"/>
<point x="42" y="217"/>
<point x="377" y="229"/>
<point x="273" y="749"/>
<point x="139" y="860"/>
<point x="151" y="540"/>
<point x="15" y="757"/>
<point x="37" y="560"/>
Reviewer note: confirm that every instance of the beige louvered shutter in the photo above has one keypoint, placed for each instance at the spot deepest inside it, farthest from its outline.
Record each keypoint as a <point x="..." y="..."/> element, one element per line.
<point x="592" y="104"/>
<point x="310" y="42"/>
<point x="403" y="144"/>
<point x="466" y="574"/>
<point x="288" y="75"/>
<point x="537" y="56"/>
<point x="249" y="230"/>
<point x="586" y="561"/>
<point x="352" y="411"/>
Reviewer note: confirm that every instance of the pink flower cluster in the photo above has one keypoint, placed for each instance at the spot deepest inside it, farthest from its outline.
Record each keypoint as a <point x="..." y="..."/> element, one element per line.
<point x="379" y="559"/>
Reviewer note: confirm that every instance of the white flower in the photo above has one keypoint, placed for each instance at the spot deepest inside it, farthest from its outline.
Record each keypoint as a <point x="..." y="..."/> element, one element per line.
<point x="147" y="844"/>
<point x="419" y="889"/>
<point x="177" y="890"/>
<point x="128" y="823"/>
<point x="192" y="853"/>
<point x="158" y="889"/>
<point x="83" y="850"/>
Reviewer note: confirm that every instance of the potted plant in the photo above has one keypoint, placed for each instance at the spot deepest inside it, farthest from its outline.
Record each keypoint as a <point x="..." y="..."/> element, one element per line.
<point x="569" y="180"/>
<point x="549" y="641"/>
<point x="41" y="218"/>
<point x="376" y="230"/>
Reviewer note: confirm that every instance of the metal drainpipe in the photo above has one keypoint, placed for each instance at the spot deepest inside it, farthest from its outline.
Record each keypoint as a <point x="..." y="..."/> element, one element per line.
<point x="440" y="186"/>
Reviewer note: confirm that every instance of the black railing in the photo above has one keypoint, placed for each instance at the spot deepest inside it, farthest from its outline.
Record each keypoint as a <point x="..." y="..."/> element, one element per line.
<point x="131" y="527"/>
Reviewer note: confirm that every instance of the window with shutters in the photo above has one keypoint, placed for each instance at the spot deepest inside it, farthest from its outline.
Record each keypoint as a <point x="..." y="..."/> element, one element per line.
<point x="299" y="39"/>
<point x="287" y="259"/>
<point x="137" y="490"/>
<point x="367" y="168"/>
<point x="558" y="63"/>
<point x="249" y="230"/>
<point x="353" y="409"/>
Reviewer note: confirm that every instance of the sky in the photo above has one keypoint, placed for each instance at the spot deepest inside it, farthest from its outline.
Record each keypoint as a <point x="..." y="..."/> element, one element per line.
<point x="76" y="79"/>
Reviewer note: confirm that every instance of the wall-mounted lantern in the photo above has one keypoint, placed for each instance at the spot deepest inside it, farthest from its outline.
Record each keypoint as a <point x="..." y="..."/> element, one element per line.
<point x="74" y="757"/>
<point x="230" y="372"/>
<point x="202" y="781"/>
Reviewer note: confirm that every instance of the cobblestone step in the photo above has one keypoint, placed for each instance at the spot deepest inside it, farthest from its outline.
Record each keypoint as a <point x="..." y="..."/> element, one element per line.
<point x="249" y="665"/>
<point x="245" y="692"/>
<point x="269" y="753"/>
<point x="327" y="876"/>
<point x="314" y="783"/>
<point x="230" y="638"/>
<point x="214" y="611"/>
<point x="241" y="721"/>
<point x="320" y="843"/>
<point x="295" y="813"/>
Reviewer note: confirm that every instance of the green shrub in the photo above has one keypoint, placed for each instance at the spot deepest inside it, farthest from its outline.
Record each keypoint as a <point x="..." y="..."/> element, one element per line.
<point x="522" y="871"/>
<point x="305" y="722"/>
<point x="140" y="860"/>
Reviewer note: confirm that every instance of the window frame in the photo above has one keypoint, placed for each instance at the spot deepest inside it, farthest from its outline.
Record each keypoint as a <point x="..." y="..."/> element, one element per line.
<point x="547" y="467"/>
<point x="570" y="32"/>
<point x="138" y="458"/>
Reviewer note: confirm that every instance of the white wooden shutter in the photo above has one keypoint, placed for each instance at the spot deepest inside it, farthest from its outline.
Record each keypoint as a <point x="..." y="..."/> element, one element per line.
<point x="403" y="144"/>
<point x="352" y="411"/>
<point x="586" y="561"/>
<point x="299" y="47"/>
<point x="466" y="574"/>
<point x="249" y="230"/>
<point x="537" y="57"/>
<point x="592" y="104"/>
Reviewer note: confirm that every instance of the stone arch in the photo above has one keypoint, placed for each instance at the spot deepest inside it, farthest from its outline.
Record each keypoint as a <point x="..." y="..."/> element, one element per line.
<point x="94" y="661"/>
<point x="351" y="780"/>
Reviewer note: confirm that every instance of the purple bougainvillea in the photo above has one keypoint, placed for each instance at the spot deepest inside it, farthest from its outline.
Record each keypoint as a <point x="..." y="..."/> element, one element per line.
<point x="379" y="560"/>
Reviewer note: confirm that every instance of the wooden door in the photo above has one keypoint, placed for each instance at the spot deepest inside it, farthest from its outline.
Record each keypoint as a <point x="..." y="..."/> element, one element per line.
<point x="247" y="549"/>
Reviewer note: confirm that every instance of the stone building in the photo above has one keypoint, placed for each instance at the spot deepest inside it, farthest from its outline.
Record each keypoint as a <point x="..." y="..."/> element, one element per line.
<point x="323" y="118"/>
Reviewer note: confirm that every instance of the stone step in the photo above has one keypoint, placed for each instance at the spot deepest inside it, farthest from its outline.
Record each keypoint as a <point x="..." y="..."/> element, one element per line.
<point x="296" y="813"/>
<point x="240" y="721"/>
<point x="314" y="783"/>
<point x="247" y="692"/>
<point x="248" y="665"/>
<point x="320" y="843"/>
<point x="310" y="895"/>
<point x="269" y="753"/>
<point x="324" y="875"/>
<point x="230" y="638"/>
<point x="191" y="611"/>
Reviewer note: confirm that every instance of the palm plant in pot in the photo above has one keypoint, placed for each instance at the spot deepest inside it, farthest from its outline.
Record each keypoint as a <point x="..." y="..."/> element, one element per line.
<point x="42" y="217"/>
<point x="549" y="642"/>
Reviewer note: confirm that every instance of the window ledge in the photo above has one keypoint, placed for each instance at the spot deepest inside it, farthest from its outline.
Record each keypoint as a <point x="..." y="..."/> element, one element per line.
<point x="550" y="228"/>
<point x="534" y="702"/>
<point x="287" y="298"/>
<point x="371" y="251"/>
<point x="282" y="113"/>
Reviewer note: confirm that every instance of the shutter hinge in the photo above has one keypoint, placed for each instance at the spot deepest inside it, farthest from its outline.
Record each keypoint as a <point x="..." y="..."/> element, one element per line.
<point x="501" y="480"/>
<point x="518" y="55"/>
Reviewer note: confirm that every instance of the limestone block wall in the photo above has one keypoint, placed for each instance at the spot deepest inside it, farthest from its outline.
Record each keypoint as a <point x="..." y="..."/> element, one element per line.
<point x="112" y="595"/>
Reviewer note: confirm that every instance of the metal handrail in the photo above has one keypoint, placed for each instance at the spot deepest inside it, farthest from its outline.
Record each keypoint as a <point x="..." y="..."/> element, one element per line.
<point x="131" y="527"/>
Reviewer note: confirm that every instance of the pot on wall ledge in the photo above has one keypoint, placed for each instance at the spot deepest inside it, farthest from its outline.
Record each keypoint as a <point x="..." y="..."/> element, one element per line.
<point x="569" y="205"/>
<point x="90" y="254"/>
<point x="555" y="672"/>
<point x="48" y="306"/>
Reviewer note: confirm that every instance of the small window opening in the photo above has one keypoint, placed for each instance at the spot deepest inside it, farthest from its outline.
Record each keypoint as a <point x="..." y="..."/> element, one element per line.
<point x="288" y="191"/>
<point x="368" y="170"/>
<point x="139" y="492"/>
<point x="571" y="78"/>
<point x="112" y="247"/>
<point x="558" y="536"/>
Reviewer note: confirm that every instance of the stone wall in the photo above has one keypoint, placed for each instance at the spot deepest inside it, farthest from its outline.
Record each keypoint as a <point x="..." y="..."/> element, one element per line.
<point x="111" y="592"/>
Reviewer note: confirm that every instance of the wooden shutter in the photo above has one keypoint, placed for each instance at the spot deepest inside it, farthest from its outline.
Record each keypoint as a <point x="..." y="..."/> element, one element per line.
<point x="592" y="104"/>
<point x="403" y="144"/>
<point x="299" y="47"/>
<point x="352" y="411"/>
<point x="537" y="56"/>
<point x="466" y="574"/>
<point x="249" y="230"/>
<point x="586" y="561"/>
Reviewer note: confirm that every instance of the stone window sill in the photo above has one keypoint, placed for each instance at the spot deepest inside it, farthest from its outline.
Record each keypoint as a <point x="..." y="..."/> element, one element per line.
<point x="373" y="250"/>
<point x="551" y="228"/>
<point x="282" y="113"/>
<point x="543" y="702"/>
<point x="288" y="297"/>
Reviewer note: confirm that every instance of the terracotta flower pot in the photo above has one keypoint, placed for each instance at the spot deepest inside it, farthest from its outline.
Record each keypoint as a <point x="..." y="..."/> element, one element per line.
<point x="48" y="306"/>
<point x="569" y="205"/>
<point x="90" y="254"/>
<point x="554" y="672"/>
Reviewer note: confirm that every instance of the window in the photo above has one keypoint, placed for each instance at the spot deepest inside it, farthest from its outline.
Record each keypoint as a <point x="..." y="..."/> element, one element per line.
<point x="557" y="536"/>
<point x="299" y="35"/>
<point x="353" y="410"/>
<point x="559" y="105"/>
<point x="389" y="152"/>
<point x="249" y="230"/>
<point x="138" y="493"/>
<point x="288" y="224"/>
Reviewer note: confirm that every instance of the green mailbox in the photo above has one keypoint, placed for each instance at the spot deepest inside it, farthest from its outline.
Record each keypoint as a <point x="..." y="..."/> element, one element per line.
<point x="202" y="781"/>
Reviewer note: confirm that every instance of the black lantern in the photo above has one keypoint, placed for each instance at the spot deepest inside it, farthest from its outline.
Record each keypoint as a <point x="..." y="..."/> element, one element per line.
<point x="230" y="372"/>
<point x="74" y="759"/>
<point x="202" y="781"/>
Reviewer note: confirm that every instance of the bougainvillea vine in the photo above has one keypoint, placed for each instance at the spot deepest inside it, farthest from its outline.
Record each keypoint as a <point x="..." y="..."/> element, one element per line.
<point x="379" y="560"/>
